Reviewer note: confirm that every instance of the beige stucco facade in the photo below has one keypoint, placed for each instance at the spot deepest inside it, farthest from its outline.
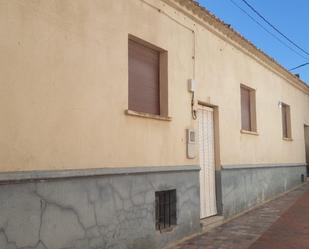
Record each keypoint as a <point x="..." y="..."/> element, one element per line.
<point x="64" y="88"/>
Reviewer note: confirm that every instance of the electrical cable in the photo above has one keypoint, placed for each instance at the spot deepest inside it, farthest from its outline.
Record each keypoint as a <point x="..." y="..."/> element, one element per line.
<point x="307" y="63"/>
<point x="193" y="111"/>
<point x="276" y="29"/>
<point x="266" y="30"/>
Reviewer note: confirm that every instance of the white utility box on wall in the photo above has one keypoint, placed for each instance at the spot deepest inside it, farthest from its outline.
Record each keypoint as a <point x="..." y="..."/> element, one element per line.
<point x="191" y="143"/>
<point x="191" y="85"/>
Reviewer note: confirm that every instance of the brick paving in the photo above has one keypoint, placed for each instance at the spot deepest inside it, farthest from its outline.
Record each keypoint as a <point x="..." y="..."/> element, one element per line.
<point x="262" y="228"/>
<point x="290" y="231"/>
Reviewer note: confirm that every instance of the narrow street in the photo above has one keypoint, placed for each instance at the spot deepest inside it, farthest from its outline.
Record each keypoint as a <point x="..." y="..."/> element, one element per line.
<point x="279" y="224"/>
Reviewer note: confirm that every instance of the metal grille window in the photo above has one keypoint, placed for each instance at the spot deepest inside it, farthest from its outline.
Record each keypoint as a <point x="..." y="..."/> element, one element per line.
<point x="165" y="209"/>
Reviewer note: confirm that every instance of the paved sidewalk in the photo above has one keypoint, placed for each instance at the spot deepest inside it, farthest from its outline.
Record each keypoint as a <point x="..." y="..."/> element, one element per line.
<point x="276" y="224"/>
<point x="290" y="231"/>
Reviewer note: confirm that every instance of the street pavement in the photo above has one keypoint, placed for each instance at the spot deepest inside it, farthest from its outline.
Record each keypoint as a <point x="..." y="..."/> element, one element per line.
<point x="282" y="223"/>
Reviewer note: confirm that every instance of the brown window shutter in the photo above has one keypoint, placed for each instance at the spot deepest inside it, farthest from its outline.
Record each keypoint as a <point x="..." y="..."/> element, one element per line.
<point x="284" y="121"/>
<point x="144" y="85"/>
<point x="245" y="109"/>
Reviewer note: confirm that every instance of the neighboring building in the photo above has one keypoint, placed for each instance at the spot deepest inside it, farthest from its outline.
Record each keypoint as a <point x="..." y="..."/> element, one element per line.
<point x="100" y="146"/>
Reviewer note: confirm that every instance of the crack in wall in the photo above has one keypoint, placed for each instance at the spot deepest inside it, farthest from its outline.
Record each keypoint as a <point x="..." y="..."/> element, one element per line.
<point x="122" y="207"/>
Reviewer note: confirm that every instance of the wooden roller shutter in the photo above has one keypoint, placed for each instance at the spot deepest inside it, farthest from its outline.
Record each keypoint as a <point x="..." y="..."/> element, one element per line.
<point x="144" y="86"/>
<point x="284" y="121"/>
<point x="245" y="109"/>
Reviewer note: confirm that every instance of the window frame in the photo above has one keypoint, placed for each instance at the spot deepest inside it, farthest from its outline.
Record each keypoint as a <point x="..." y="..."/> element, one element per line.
<point x="252" y="110"/>
<point x="286" y="123"/>
<point x="163" y="82"/>
<point x="165" y="222"/>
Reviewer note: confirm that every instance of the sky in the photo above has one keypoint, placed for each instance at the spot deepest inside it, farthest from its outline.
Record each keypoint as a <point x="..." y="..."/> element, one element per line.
<point x="291" y="17"/>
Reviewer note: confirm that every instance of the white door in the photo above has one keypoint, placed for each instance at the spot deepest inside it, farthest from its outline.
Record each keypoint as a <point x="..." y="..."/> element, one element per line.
<point x="207" y="162"/>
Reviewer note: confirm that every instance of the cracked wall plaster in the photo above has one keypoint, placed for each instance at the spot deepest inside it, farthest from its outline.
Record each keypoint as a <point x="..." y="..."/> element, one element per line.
<point x="20" y="214"/>
<point x="108" y="212"/>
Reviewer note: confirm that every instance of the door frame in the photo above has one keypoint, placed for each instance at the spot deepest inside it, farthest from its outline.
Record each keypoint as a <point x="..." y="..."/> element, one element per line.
<point x="218" y="165"/>
<point x="216" y="132"/>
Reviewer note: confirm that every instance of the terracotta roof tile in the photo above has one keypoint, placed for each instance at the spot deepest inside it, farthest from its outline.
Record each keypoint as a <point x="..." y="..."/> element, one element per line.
<point x="226" y="29"/>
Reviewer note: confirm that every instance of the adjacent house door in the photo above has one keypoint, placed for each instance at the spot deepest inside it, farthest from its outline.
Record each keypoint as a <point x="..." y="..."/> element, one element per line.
<point x="207" y="162"/>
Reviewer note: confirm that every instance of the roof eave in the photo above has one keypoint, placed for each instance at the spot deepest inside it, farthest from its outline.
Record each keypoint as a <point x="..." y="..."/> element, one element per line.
<point x="206" y="16"/>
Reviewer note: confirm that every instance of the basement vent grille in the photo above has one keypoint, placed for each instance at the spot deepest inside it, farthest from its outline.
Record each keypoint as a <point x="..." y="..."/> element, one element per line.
<point x="165" y="209"/>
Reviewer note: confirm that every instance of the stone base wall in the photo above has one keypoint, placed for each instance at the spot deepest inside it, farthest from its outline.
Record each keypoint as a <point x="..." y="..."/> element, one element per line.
<point x="113" y="210"/>
<point x="98" y="212"/>
<point x="243" y="188"/>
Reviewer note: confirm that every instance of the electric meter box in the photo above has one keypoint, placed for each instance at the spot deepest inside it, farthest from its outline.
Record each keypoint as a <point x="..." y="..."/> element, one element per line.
<point x="191" y="143"/>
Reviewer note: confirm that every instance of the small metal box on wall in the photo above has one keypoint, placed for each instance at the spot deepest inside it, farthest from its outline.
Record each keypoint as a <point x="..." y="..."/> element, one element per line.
<point x="191" y="143"/>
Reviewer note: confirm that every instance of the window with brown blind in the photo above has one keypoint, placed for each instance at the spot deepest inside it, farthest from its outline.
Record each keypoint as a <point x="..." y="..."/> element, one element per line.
<point x="248" y="112"/>
<point x="286" y="121"/>
<point x="147" y="83"/>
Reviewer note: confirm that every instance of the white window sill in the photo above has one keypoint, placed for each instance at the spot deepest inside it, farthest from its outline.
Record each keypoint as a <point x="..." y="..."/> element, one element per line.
<point x="249" y="132"/>
<point x="287" y="139"/>
<point x="147" y="115"/>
